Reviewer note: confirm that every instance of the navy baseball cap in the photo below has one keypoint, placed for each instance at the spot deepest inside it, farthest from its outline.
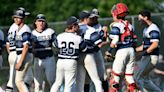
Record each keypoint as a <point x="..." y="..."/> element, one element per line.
<point x="41" y="17"/>
<point x="94" y="13"/>
<point x="84" y="14"/>
<point x="20" y="13"/>
<point x="72" y="20"/>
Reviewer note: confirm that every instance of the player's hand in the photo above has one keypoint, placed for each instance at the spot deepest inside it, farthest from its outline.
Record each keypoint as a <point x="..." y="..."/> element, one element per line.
<point x="18" y="66"/>
<point x="138" y="55"/>
<point x="108" y="56"/>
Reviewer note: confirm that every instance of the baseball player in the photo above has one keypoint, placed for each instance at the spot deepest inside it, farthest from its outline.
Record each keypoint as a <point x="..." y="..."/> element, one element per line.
<point x="1" y="47"/>
<point x="44" y="61"/>
<point x="122" y="38"/>
<point x="98" y="54"/>
<point x="23" y="49"/>
<point x="11" y="49"/>
<point x="150" y="52"/>
<point x="69" y="44"/>
<point x="87" y="60"/>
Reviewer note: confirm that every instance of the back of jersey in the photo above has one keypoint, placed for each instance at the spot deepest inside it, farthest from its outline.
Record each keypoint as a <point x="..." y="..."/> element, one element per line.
<point x="68" y="44"/>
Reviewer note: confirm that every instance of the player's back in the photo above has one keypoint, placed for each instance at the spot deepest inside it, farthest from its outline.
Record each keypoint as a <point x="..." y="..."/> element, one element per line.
<point x="69" y="45"/>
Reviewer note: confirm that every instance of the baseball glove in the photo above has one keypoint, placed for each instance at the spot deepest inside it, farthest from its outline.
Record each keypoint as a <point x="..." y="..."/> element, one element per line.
<point x="108" y="57"/>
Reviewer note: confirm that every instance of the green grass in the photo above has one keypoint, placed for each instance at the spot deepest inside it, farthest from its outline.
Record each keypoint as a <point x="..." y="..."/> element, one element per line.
<point x="4" y="74"/>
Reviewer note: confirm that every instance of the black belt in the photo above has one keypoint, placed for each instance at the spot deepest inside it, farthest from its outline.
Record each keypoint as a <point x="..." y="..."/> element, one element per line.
<point x="68" y="58"/>
<point x="12" y="50"/>
<point x="20" y="52"/>
<point x="44" y="57"/>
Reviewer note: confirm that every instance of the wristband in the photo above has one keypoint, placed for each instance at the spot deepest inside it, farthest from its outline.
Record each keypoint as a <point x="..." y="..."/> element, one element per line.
<point x="110" y="50"/>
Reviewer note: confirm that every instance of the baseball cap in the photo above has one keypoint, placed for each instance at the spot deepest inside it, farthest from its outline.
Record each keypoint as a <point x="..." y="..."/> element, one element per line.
<point x="84" y="14"/>
<point x="94" y="13"/>
<point x="72" y="20"/>
<point x="20" y="13"/>
<point x="41" y="17"/>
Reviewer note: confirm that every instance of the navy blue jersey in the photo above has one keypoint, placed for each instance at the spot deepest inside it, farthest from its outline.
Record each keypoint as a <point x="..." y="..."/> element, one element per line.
<point x="43" y="42"/>
<point x="23" y="36"/>
<point x="151" y="34"/>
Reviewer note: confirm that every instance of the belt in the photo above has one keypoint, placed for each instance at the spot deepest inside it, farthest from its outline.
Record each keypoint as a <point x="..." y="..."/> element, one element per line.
<point x="20" y="52"/>
<point x="12" y="50"/>
<point x="44" y="57"/>
<point x="68" y="58"/>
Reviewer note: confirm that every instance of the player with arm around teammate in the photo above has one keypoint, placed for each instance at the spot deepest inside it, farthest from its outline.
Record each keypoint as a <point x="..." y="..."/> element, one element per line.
<point x="87" y="60"/>
<point x="44" y="61"/>
<point x="123" y="39"/>
<point x="150" y="52"/>
<point x="69" y="45"/>
<point x="102" y="30"/>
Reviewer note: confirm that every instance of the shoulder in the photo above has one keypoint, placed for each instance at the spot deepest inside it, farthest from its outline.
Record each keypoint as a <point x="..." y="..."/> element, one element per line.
<point x="153" y="27"/>
<point x="26" y="28"/>
<point x="13" y="27"/>
<point x="50" y="30"/>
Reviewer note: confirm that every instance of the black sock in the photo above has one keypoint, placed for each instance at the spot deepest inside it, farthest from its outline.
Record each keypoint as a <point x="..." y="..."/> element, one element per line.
<point x="105" y="86"/>
<point x="86" y="88"/>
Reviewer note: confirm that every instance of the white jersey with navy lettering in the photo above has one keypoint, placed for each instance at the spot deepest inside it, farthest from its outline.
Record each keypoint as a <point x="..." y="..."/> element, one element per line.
<point x="11" y="36"/>
<point x="23" y="36"/>
<point x="43" y="42"/>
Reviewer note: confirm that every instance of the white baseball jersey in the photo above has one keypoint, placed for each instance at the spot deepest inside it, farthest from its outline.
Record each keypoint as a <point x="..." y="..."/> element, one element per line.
<point x="69" y="47"/>
<point x="23" y="36"/>
<point x="43" y="42"/>
<point x="151" y="34"/>
<point x="118" y="28"/>
<point x="11" y="36"/>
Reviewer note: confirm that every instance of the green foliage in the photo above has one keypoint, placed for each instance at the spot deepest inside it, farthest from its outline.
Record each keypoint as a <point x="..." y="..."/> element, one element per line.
<point x="56" y="10"/>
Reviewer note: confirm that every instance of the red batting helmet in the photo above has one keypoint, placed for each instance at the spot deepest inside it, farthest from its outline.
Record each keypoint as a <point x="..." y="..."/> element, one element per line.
<point x="120" y="10"/>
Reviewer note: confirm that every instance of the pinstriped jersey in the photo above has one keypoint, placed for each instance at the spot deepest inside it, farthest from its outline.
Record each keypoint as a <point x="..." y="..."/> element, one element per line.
<point x="151" y="34"/>
<point x="23" y="36"/>
<point x="70" y="44"/>
<point x="117" y="29"/>
<point x="11" y="36"/>
<point x="43" y="42"/>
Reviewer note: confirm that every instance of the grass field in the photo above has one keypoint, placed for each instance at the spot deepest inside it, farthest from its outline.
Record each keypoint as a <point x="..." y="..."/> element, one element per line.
<point x="4" y="74"/>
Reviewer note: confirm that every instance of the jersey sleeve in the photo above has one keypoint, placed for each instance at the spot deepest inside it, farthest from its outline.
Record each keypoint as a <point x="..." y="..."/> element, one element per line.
<point x="2" y="41"/>
<point x="83" y="46"/>
<point x="96" y="38"/>
<point x="26" y="38"/>
<point x="114" y="35"/>
<point x="154" y="35"/>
